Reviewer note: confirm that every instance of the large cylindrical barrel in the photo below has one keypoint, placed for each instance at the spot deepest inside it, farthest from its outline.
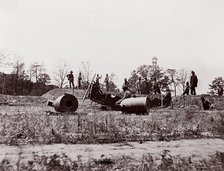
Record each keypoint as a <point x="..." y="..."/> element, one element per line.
<point x="136" y="105"/>
<point x="65" y="103"/>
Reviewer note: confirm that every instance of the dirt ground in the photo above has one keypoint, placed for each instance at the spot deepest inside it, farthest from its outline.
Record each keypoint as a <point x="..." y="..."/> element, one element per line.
<point x="197" y="149"/>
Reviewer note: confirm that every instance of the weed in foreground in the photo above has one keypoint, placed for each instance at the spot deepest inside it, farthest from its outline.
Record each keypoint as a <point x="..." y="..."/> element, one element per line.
<point x="61" y="162"/>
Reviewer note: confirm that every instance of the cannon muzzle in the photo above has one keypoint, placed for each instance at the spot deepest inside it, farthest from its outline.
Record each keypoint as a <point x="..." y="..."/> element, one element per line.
<point x="65" y="103"/>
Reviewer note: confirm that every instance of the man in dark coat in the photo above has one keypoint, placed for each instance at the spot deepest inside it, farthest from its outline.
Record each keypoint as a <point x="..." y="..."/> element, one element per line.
<point x="156" y="87"/>
<point x="186" y="91"/>
<point x="206" y="104"/>
<point x="106" y="80"/>
<point x="139" y="85"/>
<point x="145" y="86"/>
<point x="71" y="79"/>
<point x="79" y="80"/>
<point x="126" y="83"/>
<point x="193" y="83"/>
<point x="220" y="90"/>
<point x="98" y="79"/>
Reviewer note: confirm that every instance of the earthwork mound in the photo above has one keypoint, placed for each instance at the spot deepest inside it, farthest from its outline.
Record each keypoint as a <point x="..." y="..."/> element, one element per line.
<point x="19" y="100"/>
<point x="55" y="93"/>
<point x="194" y="102"/>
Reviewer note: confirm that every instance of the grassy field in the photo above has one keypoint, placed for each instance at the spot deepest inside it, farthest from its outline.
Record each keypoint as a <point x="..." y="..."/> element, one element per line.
<point x="35" y="123"/>
<point x="89" y="124"/>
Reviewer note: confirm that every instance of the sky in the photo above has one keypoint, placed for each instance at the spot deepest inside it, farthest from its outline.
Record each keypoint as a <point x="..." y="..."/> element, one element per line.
<point x="117" y="36"/>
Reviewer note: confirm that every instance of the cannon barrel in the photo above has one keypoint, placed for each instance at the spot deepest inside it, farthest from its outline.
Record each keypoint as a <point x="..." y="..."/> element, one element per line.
<point x="136" y="105"/>
<point x="65" y="103"/>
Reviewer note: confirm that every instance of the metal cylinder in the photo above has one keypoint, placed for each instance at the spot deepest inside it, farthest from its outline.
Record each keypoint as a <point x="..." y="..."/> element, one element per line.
<point x="65" y="103"/>
<point x="136" y="105"/>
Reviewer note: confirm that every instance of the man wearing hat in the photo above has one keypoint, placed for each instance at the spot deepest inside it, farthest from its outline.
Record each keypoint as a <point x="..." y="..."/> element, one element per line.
<point x="71" y="79"/>
<point x="206" y="104"/>
<point x="193" y="83"/>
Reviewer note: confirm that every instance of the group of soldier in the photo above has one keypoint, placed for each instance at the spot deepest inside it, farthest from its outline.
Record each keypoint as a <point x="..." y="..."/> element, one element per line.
<point x="193" y="84"/>
<point x="147" y="87"/>
<point x="206" y="104"/>
<point x="143" y="86"/>
<point x="106" y="81"/>
<point x="70" y="77"/>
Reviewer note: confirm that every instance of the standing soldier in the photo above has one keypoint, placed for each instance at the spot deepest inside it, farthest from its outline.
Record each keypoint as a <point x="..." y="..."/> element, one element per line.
<point x="145" y="86"/>
<point x="107" y="82"/>
<point x="139" y="85"/>
<point x="206" y="104"/>
<point x="220" y="90"/>
<point x="193" y="83"/>
<point x="186" y="91"/>
<point x="71" y="79"/>
<point x="79" y="80"/>
<point x="126" y="83"/>
<point x="156" y="87"/>
<point x="98" y="79"/>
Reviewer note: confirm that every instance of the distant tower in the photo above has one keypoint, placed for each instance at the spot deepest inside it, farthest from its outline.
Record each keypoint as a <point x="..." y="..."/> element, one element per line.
<point x="154" y="66"/>
<point x="154" y="63"/>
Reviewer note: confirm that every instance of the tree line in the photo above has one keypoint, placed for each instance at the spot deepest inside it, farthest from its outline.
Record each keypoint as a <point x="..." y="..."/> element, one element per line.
<point x="36" y="81"/>
<point x="172" y="79"/>
<point x="167" y="79"/>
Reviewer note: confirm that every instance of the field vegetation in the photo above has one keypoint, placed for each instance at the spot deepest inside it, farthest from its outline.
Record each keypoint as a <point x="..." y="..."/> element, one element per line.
<point x="147" y="162"/>
<point x="31" y="122"/>
<point x="39" y="124"/>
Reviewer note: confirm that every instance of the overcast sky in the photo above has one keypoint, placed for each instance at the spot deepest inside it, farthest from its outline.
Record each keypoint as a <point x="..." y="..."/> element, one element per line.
<point x="117" y="35"/>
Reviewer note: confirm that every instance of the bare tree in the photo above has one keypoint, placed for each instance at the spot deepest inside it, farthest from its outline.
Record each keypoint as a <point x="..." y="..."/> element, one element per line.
<point x="178" y="79"/>
<point x="36" y="70"/>
<point x="2" y="57"/>
<point x="182" y="77"/>
<point x="44" y="79"/>
<point x="30" y="75"/>
<point x="18" y="71"/>
<point x="86" y="67"/>
<point x="5" y="57"/>
<point x="112" y="85"/>
<point x="173" y="78"/>
<point x="61" y="74"/>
